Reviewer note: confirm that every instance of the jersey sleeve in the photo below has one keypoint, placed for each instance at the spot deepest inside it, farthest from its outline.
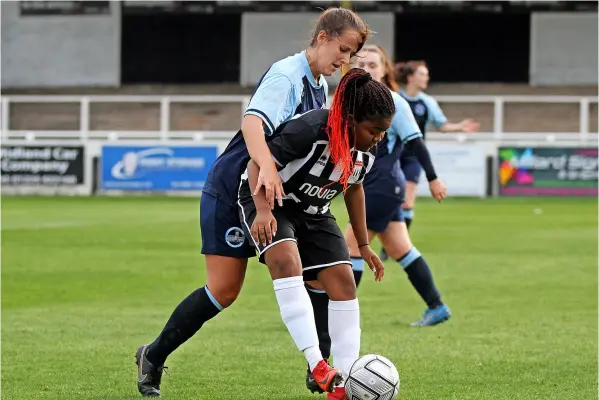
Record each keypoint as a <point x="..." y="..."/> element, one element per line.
<point x="325" y="85"/>
<point x="368" y="160"/>
<point x="435" y="114"/>
<point x="272" y="101"/>
<point x="292" y="142"/>
<point x="404" y="124"/>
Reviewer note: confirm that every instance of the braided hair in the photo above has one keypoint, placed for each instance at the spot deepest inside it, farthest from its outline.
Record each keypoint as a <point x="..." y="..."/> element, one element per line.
<point x="357" y="98"/>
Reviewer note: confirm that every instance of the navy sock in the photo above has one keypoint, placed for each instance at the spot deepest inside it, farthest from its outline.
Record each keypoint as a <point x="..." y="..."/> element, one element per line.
<point x="189" y="316"/>
<point x="320" y="304"/>
<point x="408" y="214"/>
<point x="358" y="268"/>
<point x="421" y="278"/>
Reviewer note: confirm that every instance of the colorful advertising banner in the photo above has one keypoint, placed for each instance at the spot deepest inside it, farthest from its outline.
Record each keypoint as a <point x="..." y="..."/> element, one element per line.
<point x="547" y="171"/>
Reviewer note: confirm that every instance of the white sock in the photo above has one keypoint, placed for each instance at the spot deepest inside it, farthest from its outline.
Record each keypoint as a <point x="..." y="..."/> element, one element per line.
<point x="314" y="356"/>
<point x="298" y="316"/>
<point x="344" y="329"/>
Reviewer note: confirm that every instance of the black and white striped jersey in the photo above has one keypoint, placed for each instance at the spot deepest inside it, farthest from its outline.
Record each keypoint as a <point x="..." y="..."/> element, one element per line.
<point x="300" y="148"/>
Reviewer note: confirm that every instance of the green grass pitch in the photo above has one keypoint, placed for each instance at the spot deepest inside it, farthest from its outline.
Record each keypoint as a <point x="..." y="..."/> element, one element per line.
<point x="87" y="280"/>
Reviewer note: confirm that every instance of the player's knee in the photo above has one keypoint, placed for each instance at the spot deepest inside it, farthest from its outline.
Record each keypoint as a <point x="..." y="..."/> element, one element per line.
<point x="397" y="252"/>
<point x="344" y="287"/>
<point x="226" y="293"/>
<point x="408" y="204"/>
<point x="225" y="276"/>
<point x="283" y="264"/>
<point x="348" y="290"/>
<point x="397" y="241"/>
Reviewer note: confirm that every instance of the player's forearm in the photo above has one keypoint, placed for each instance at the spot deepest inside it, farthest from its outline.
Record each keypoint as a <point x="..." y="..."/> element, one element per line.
<point x="260" y="198"/>
<point x="418" y="148"/>
<point x="253" y="134"/>
<point x="356" y="208"/>
<point x="449" y="127"/>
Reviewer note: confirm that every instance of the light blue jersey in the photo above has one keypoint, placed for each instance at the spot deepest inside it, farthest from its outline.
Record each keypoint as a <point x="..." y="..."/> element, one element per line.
<point x="286" y="89"/>
<point x="403" y="126"/>
<point x="426" y="110"/>
<point x="385" y="174"/>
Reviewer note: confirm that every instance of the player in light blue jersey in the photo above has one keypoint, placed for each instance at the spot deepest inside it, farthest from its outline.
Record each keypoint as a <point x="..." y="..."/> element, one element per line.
<point x="385" y="190"/>
<point x="291" y="86"/>
<point x="414" y="77"/>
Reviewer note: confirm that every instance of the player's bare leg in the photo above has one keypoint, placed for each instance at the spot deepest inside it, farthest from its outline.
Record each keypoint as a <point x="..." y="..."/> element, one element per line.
<point x="409" y="202"/>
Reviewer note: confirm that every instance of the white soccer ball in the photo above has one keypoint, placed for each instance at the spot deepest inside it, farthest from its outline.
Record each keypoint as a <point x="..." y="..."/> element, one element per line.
<point x="372" y="377"/>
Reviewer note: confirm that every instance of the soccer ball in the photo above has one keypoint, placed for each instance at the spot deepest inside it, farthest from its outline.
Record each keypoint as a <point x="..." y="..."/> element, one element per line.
<point x="372" y="377"/>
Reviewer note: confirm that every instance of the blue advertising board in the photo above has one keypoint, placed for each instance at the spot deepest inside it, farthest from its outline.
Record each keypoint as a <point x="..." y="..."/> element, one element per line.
<point x="156" y="167"/>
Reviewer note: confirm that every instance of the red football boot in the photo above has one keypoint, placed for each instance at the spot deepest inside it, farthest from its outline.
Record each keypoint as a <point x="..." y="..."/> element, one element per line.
<point x="326" y="376"/>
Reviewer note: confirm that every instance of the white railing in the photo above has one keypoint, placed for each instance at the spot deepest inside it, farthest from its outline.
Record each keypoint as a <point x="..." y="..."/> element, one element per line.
<point x="165" y="133"/>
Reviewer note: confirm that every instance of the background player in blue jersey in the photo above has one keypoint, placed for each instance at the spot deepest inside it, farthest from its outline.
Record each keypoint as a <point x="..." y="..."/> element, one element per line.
<point x="413" y="77"/>
<point x="291" y="86"/>
<point x="384" y="188"/>
<point x="320" y="155"/>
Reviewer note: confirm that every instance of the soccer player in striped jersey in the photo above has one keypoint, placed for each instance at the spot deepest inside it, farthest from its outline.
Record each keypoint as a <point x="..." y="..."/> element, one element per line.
<point x="320" y="155"/>
<point x="291" y="86"/>
<point x="384" y="188"/>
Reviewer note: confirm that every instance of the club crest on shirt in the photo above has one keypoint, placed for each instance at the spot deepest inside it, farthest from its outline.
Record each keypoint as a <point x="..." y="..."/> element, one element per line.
<point x="419" y="109"/>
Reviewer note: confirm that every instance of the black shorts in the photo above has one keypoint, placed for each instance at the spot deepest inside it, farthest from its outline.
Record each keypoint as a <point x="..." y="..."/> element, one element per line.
<point x="319" y="239"/>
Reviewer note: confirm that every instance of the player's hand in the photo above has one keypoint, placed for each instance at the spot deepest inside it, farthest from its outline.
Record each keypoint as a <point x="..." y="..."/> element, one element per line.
<point x="373" y="261"/>
<point x="264" y="227"/>
<point x="270" y="179"/>
<point x="469" y="125"/>
<point x="438" y="189"/>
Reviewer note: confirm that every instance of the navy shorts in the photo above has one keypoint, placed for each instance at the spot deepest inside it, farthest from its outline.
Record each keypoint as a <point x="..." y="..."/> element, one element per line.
<point x="411" y="168"/>
<point x="382" y="210"/>
<point x="222" y="233"/>
<point x="384" y="196"/>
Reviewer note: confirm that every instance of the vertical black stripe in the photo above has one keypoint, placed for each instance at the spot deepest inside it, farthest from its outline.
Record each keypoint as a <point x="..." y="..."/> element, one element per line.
<point x="353" y="159"/>
<point x="367" y="159"/>
<point x="328" y="169"/>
